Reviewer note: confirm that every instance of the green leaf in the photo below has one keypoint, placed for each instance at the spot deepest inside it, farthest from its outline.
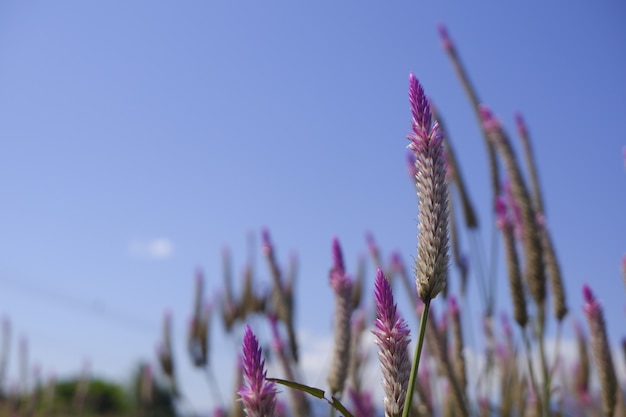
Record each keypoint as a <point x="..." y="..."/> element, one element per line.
<point x="316" y="392"/>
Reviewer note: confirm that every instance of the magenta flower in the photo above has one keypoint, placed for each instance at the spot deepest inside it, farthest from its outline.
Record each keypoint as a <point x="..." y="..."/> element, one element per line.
<point x="258" y="394"/>
<point x="392" y="338"/>
<point x="431" y="265"/>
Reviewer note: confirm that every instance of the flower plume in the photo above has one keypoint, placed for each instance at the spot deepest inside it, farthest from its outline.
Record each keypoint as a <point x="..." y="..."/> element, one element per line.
<point x="427" y="144"/>
<point x="392" y="338"/>
<point x="257" y="394"/>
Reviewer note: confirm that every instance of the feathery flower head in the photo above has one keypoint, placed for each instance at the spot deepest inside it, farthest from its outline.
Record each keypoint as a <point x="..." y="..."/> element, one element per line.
<point x="446" y="42"/>
<point x="431" y="265"/>
<point x="258" y="394"/>
<point x="339" y="280"/>
<point x="342" y="287"/>
<point x="392" y="338"/>
<point x="601" y="351"/>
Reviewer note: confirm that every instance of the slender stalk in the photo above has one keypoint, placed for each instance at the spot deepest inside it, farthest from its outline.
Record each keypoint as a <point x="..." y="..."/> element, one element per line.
<point x="533" y="379"/>
<point x="544" y="365"/>
<point x="415" y="365"/>
<point x="215" y="388"/>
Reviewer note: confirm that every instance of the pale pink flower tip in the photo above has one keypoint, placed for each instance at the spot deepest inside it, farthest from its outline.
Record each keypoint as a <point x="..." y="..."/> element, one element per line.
<point x="490" y="122"/>
<point x="591" y="306"/>
<point x="338" y="265"/>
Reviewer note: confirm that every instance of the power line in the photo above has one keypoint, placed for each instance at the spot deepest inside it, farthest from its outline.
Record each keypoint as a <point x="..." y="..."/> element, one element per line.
<point x="95" y="308"/>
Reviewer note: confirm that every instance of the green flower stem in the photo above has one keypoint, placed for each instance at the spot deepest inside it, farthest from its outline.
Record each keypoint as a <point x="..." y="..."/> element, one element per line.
<point x="533" y="379"/>
<point x="544" y="364"/>
<point x="416" y="360"/>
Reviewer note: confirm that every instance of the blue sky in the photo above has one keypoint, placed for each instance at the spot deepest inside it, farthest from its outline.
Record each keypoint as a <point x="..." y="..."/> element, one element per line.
<point x="140" y="138"/>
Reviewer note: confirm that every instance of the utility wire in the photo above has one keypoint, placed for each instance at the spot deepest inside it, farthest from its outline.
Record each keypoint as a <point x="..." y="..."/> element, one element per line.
<point x="95" y="308"/>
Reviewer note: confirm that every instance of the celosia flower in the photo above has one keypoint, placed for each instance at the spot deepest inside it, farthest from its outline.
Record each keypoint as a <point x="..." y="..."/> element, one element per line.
<point x="257" y="394"/>
<point x="601" y="351"/>
<point x="533" y="256"/>
<point x="431" y="265"/>
<point x="392" y="338"/>
<point x="505" y="224"/>
<point x="342" y="286"/>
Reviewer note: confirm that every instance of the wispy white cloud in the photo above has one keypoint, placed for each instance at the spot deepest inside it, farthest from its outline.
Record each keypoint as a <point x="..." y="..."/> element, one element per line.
<point x="159" y="248"/>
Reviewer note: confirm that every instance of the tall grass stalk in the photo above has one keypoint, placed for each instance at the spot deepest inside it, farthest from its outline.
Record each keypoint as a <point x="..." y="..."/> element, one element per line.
<point x="416" y="359"/>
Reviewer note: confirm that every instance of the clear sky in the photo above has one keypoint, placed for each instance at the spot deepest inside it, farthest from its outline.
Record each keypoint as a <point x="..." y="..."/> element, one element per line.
<point x="137" y="139"/>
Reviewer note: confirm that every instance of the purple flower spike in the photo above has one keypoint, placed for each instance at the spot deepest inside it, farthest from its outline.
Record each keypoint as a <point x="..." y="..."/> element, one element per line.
<point x="420" y="109"/>
<point x="431" y="265"/>
<point x="258" y="395"/>
<point x="392" y="338"/>
<point x="601" y="351"/>
<point x="338" y="265"/>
